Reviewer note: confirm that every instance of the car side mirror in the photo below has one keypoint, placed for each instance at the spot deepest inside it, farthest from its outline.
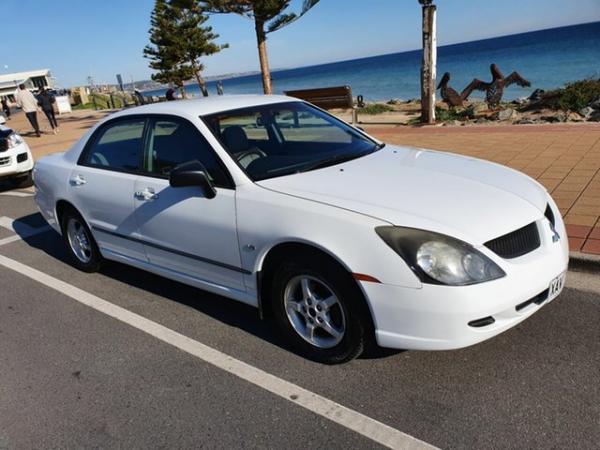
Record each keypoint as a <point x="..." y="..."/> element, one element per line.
<point x="2" y="119"/>
<point x="191" y="174"/>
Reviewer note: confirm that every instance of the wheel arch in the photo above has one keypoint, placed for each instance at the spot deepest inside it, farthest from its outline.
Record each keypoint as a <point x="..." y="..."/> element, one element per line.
<point x="61" y="207"/>
<point x="278" y="253"/>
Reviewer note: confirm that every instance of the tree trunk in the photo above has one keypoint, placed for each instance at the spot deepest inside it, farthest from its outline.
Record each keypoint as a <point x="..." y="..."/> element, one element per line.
<point x="200" y="80"/>
<point x="261" y="39"/>
<point x="428" y="67"/>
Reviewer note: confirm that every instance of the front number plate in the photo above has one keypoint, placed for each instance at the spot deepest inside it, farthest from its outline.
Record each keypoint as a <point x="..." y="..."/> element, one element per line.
<point x="556" y="286"/>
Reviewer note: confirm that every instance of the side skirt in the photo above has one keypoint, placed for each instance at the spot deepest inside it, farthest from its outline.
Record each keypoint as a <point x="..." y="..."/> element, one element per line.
<point x="218" y="289"/>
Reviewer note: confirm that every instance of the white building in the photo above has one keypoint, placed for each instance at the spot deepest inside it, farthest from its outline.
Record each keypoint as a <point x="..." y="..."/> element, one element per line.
<point x="33" y="80"/>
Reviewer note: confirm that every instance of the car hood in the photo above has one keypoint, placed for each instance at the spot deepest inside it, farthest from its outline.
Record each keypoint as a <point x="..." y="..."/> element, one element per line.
<point x="468" y="198"/>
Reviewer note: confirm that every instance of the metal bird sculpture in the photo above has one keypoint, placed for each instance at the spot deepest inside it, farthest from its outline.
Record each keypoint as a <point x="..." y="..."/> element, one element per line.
<point x="494" y="90"/>
<point x="449" y="95"/>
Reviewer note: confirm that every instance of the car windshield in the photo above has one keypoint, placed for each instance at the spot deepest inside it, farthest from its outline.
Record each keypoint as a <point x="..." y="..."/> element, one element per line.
<point x="284" y="138"/>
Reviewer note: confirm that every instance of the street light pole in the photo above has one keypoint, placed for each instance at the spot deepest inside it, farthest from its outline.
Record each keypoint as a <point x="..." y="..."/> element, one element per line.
<point x="429" y="61"/>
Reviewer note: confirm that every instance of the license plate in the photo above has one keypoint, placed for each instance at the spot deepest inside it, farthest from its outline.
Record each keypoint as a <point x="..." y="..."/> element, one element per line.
<point x="556" y="286"/>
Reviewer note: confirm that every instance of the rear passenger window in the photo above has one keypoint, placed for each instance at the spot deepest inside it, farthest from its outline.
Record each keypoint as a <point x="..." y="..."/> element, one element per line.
<point x="118" y="147"/>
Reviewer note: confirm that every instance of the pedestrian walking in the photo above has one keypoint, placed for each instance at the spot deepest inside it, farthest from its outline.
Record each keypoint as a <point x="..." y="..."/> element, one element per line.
<point x="6" y="107"/>
<point x="46" y="102"/>
<point x="28" y="103"/>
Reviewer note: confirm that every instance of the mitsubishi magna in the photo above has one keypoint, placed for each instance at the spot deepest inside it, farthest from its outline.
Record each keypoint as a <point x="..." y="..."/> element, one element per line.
<point x="340" y="240"/>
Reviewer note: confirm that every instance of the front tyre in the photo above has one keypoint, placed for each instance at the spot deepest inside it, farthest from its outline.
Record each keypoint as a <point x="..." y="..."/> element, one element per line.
<point x="81" y="246"/>
<point x="319" y="311"/>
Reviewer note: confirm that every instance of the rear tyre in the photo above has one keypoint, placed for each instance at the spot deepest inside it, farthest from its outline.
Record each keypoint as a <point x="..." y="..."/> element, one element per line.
<point x="320" y="310"/>
<point x="81" y="246"/>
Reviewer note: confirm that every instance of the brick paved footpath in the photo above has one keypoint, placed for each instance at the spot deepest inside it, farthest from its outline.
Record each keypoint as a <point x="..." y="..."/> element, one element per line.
<point x="563" y="157"/>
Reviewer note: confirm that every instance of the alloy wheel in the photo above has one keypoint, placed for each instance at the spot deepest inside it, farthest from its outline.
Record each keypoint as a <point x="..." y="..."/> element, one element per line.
<point x="314" y="311"/>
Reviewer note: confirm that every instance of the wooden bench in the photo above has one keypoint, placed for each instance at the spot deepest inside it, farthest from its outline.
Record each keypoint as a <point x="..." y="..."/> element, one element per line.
<point x="328" y="98"/>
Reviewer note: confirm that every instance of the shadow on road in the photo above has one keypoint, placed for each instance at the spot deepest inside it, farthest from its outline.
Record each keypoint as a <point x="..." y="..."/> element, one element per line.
<point x="227" y="311"/>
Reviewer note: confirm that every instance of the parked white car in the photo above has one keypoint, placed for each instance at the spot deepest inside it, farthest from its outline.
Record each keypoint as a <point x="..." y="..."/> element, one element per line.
<point x="16" y="161"/>
<point x="340" y="239"/>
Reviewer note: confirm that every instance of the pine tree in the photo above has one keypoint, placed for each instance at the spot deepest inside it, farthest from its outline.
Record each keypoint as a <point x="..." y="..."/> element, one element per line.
<point x="268" y="16"/>
<point x="178" y="40"/>
<point x="192" y="38"/>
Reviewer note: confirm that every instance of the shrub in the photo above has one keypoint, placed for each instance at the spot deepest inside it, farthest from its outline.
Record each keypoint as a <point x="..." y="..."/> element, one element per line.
<point x="446" y="115"/>
<point x="574" y="96"/>
<point x="375" y="108"/>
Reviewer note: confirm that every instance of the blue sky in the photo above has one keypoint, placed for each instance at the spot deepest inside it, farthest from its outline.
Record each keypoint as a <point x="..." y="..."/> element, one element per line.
<point x="77" y="38"/>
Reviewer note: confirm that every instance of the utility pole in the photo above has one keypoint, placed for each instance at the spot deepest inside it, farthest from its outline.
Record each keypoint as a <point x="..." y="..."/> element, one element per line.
<point x="428" y="66"/>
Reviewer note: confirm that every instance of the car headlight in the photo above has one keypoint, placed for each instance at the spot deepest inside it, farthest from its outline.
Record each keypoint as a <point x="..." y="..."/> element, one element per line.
<point x="14" y="140"/>
<point x="439" y="259"/>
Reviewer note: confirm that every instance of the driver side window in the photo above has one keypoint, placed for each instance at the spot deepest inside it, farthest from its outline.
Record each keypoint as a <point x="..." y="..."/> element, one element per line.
<point x="172" y="142"/>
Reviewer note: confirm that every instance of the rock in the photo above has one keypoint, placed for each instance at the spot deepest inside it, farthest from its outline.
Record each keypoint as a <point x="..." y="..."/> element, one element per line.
<point x="574" y="117"/>
<point x="506" y="114"/>
<point x="479" y="107"/>
<point x="587" y="111"/>
<point x="595" y="117"/>
<point x="559" y="116"/>
<point x="536" y="95"/>
<point x="475" y="110"/>
<point x="595" y="104"/>
<point x="481" y="120"/>
<point x="525" y="121"/>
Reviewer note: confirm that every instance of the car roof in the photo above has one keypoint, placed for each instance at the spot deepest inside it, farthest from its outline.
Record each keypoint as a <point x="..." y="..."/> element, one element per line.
<point x="207" y="105"/>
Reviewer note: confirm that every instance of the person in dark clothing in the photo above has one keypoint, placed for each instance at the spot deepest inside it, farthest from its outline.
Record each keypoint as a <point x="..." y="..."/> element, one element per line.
<point x="6" y="107"/>
<point x="170" y="94"/>
<point x="46" y="102"/>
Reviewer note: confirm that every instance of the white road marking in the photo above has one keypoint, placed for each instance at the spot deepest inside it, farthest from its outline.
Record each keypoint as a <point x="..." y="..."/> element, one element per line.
<point x="353" y="420"/>
<point x="14" y="225"/>
<point x="16" y="194"/>
<point x="23" y="231"/>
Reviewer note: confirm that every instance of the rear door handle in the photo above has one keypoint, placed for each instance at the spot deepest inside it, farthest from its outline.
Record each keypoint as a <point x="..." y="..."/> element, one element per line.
<point x="78" y="181"/>
<point x="146" y="194"/>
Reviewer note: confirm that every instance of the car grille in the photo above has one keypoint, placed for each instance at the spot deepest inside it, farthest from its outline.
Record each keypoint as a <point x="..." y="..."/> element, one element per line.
<point x="517" y="243"/>
<point x="5" y="161"/>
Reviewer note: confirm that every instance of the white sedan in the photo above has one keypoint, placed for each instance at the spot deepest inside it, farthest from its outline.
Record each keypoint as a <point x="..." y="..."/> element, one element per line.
<point x="341" y="240"/>
<point x="16" y="161"/>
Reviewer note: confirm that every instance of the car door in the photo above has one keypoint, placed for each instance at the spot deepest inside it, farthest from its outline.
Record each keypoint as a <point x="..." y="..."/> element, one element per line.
<point x="102" y="185"/>
<point x="183" y="230"/>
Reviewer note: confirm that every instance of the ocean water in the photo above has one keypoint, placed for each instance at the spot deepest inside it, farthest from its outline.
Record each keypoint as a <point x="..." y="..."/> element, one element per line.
<point x="547" y="58"/>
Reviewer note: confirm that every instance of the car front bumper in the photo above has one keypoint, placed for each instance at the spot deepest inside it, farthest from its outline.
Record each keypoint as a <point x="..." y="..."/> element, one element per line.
<point x="438" y="317"/>
<point x="15" y="161"/>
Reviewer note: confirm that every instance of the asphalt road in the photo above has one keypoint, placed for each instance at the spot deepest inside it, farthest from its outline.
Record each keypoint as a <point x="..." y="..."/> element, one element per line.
<point x="73" y="377"/>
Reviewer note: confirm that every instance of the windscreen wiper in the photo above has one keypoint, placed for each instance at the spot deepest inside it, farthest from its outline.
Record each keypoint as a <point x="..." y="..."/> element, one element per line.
<point x="331" y="161"/>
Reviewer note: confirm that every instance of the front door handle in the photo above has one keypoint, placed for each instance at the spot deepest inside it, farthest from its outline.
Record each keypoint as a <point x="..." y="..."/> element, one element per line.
<point x="146" y="194"/>
<point x="78" y="181"/>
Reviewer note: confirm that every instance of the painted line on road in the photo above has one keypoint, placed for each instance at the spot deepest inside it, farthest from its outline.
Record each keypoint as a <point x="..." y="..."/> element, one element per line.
<point x="23" y="231"/>
<point x="16" y="194"/>
<point x="15" y="226"/>
<point x="346" y="417"/>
